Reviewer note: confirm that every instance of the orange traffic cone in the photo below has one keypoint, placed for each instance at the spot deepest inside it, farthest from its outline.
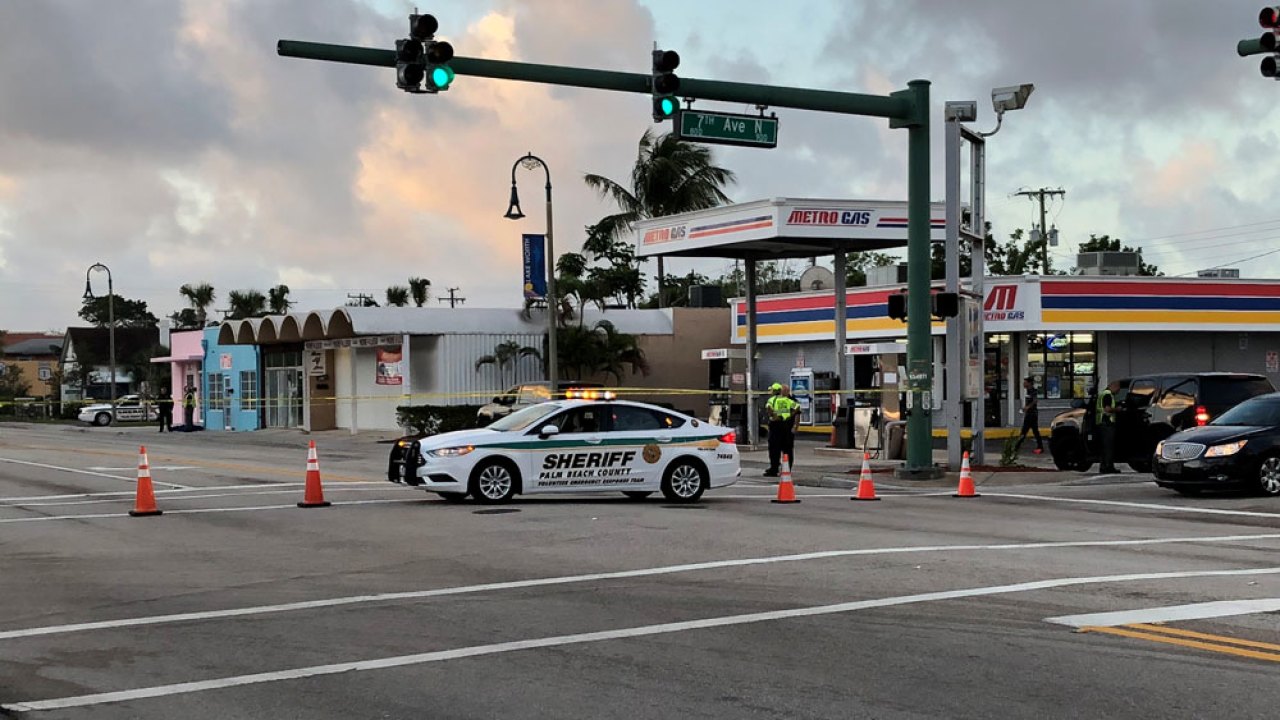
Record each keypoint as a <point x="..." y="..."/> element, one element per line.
<point x="786" y="491"/>
<point x="966" y="489"/>
<point x="314" y="495"/>
<point x="866" y="488"/>
<point x="145" y="502"/>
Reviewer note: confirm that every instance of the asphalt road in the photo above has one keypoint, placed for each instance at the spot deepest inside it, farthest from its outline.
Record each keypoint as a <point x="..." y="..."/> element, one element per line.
<point x="391" y="604"/>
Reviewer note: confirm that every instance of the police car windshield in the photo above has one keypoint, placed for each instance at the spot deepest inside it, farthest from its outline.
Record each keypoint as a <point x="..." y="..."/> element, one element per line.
<point x="522" y="419"/>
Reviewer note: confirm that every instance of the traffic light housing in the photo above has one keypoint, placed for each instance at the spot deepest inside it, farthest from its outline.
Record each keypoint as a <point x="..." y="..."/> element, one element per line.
<point x="898" y="306"/>
<point x="439" y="74"/>
<point x="946" y="304"/>
<point x="410" y="65"/>
<point x="665" y="84"/>
<point x="1269" y="19"/>
<point x="420" y="58"/>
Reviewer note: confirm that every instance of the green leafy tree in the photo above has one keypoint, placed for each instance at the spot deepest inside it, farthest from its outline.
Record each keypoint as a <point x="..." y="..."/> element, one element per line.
<point x="128" y="313"/>
<point x="278" y="302"/>
<point x="507" y="354"/>
<point x="1106" y="243"/>
<point x="398" y="296"/>
<point x="13" y="383"/>
<point x="675" y="289"/>
<point x="586" y="351"/>
<point x="186" y="319"/>
<point x="420" y="289"/>
<point x="669" y="176"/>
<point x="857" y="264"/>
<point x="200" y="297"/>
<point x="246" y="304"/>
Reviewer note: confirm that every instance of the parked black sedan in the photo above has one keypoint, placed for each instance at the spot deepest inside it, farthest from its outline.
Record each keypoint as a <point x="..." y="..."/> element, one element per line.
<point x="1239" y="449"/>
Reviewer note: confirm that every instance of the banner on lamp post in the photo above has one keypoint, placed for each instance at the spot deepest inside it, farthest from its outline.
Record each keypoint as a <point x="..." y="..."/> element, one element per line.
<point x="535" y="266"/>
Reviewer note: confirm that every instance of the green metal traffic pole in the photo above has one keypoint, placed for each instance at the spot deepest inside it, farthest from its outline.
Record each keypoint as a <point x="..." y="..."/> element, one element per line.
<point x="919" y="307"/>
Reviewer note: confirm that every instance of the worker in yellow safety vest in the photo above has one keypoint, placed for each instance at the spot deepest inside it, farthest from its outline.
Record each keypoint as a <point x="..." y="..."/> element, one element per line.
<point x="783" y="413"/>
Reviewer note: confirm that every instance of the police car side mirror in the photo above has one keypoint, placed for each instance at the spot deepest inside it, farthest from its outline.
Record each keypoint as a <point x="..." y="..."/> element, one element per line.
<point x="548" y="431"/>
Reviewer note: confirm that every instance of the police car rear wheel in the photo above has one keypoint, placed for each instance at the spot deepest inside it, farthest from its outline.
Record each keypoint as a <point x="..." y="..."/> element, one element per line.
<point x="102" y="419"/>
<point x="493" y="481"/>
<point x="684" y="482"/>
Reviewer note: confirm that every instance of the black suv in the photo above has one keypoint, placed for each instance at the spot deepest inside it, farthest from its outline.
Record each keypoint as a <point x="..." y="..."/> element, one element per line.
<point x="1150" y="408"/>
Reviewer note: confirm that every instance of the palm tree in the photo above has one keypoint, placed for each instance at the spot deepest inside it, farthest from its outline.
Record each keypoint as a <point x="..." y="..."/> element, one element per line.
<point x="278" y="300"/>
<point x="246" y="304"/>
<point x="617" y="349"/>
<point x="398" y="296"/>
<point x="200" y="297"/>
<point x="420" y="288"/>
<point x="669" y="176"/>
<point x="507" y="354"/>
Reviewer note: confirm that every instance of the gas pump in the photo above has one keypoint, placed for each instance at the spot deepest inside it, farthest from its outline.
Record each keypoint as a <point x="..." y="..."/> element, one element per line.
<point x="876" y="418"/>
<point x="812" y="389"/>
<point x="727" y="381"/>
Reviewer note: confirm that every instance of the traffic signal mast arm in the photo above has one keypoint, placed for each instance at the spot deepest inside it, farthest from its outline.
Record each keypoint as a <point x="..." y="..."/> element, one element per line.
<point x="897" y="106"/>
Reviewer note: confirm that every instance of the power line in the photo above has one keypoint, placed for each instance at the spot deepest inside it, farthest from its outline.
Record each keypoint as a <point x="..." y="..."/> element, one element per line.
<point x="1232" y="262"/>
<point x="1208" y="230"/>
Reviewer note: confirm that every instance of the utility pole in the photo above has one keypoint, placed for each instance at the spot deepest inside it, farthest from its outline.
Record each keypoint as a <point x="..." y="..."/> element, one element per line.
<point x="1043" y="193"/>
<point x="361" y="300"/>
<point x="453" y="299"/>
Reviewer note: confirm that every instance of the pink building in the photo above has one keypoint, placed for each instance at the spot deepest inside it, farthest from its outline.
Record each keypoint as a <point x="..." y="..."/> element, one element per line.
<point x="186" y="356"/>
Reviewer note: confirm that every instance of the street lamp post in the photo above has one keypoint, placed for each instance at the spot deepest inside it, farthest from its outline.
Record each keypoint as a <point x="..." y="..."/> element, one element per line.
<point x="1003" y="99"/>
<point x="111" y="323"/>
<point x="531" y="161"/>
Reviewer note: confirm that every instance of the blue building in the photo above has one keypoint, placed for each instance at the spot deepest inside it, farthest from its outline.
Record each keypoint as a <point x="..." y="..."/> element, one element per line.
<point x="231" y="391"/>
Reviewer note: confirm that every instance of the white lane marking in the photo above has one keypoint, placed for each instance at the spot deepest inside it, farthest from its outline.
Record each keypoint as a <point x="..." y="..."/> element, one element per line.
<point x="1144" y="506"/>
<point x="193" y="511"/>
<point x="129" y="496"/>
<point x="1170" y="613"/>
<point x="593" y="577"/>
<point x="590" y="637"/>
<point x="130" y="493"/>
<point x="153" y="467"/>
<point x="87" y="472"/>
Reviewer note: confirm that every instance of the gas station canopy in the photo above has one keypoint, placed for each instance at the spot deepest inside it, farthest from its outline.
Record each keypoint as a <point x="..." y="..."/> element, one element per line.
<point x="783" y="228"/>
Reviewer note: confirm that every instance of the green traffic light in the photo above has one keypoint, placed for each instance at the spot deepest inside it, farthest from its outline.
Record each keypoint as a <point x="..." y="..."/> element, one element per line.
<point x="668" y="106"/>
<point x="441" y="76"/>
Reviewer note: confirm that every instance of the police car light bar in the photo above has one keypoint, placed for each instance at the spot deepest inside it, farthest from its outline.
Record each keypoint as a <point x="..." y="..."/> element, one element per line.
<point x="589" y="395"/>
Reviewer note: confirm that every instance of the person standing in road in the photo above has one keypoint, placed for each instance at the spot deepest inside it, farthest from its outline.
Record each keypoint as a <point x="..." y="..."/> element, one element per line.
<point x="164" y="409"/>
<point x="782" y="413"/>
<point x="1030" y="415"/>
<point x="189" y="407"/>
<point x="1105" y="415"/>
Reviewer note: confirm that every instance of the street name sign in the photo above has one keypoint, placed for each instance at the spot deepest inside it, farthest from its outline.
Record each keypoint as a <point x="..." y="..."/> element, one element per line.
<point x="727" y="129"/>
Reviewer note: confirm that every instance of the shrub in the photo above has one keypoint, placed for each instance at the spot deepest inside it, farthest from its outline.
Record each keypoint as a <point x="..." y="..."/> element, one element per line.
<point x="436" y="419"/>
<point x="1009" y="456"/>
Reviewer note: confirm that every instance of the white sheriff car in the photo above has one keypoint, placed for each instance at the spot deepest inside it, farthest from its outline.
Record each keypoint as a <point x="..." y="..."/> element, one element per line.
<point x="128" y="409"/>
<point x="575" y="446"/>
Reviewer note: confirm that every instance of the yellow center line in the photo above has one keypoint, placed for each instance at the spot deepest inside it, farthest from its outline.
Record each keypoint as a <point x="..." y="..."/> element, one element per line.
<point x="1205" y="636"/>
<point x="1196" y="644"/>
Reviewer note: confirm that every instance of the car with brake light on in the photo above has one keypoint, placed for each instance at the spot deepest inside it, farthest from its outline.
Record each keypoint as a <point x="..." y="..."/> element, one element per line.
<point x="1238" y="450"/>
<point x="1149" y="408"/>
<point x="129" y="408"/>
<point x="592" y="445"/>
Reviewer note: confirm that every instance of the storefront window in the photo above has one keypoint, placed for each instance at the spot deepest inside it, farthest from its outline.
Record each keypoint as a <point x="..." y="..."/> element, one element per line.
<point x="1063" y="365"/>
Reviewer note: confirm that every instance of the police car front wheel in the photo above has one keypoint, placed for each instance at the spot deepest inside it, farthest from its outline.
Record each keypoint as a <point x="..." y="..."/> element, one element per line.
<point x="684" y="481"/>
<point x="493" y="481"/>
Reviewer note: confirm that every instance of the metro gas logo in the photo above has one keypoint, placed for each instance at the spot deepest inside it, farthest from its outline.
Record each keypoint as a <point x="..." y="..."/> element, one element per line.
<point x="830" y="218"/>
<point x="1000" y="304"/>
<point x="666" y="234"/>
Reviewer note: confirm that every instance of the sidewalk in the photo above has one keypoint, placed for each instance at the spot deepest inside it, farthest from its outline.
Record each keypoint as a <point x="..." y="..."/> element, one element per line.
<point x="817" y="465"/>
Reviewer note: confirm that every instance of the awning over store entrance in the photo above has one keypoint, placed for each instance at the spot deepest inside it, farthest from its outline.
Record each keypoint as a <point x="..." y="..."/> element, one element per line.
<point x="784" y="228"/>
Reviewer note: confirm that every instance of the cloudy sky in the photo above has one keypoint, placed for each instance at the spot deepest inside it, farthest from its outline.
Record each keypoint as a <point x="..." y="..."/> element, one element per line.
<point x="166" y="139"/>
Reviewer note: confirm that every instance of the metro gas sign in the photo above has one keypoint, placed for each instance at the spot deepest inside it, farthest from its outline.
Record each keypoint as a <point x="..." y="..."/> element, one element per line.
<point x="829" y="218"/>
